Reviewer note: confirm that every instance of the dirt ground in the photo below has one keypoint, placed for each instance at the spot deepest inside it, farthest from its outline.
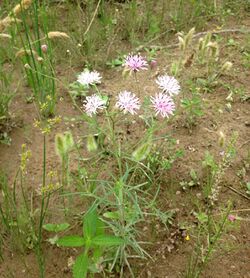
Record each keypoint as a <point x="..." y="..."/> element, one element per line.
<point x="231" y="262"/>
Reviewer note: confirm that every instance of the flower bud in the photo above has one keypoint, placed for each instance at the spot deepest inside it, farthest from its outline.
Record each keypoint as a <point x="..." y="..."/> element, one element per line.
<point x="231" y="218"/>
<point x="27" y="66"/>
<point x="40" y="59"/>
<point x="153" y="64"/>
<point x="44" y="48"/>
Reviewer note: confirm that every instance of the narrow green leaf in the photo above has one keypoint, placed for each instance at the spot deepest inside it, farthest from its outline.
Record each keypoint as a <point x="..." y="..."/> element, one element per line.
<point x="80" y="268"/>
<point x="56" y="227"/>
<point x="112" y="214"/>
<point x="71" y="241"/>
<point x="106" y="240"/>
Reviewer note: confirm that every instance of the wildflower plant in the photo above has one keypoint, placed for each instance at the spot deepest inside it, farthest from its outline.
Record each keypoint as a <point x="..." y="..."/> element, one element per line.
<point x="106" y="118"/>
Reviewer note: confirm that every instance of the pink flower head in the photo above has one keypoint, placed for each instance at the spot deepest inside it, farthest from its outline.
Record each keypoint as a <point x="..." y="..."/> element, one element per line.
<point x="128" y="102"/>
<point x="92" y="104"/>
<point x="163" y="104"/>
<point x="231" y="218"/>
<point x="135" y="63"/>
<point x="168" y="84"/>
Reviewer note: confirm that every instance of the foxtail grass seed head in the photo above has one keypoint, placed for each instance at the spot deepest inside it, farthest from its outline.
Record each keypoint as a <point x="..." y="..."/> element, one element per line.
<point x="142" y="151"/>
<point x="228" y="107"/>
<point x="27" y="66"/>
<point x="68" y="141"/>
<point x="128" y="102"/>
<point x="56" y="34"/>
<point x="23" y="52"/>
<point x="87" y="78"/>
<point x="134" y="63"/>
<point x="91" y="143"/>
<point x="222" y="139"/>
<point x="92" y="104"/>
<point x="24" y="5"/>
<point x="168" y="85"/>
<point x="207" y="38"/>
<point x="59" y="145"/>
<point x="40" y="59"/>
<point x="201" y="45"/>
<point x="163" y="105"/>
<point x="214" y="49"/>
<point x="5" y="36"/>
<point x="185" y="40"/>
<point x="226" y="67"/>
<point x="230" y="97"/>
<point x="7" y="21"/>
<point x="189" y="36"/>
<point x="182" y="45"/>
<point x="63" y="144"/>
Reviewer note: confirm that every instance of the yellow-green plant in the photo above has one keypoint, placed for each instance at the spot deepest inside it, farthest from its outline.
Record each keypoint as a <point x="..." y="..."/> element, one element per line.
<point x="64" y="143"/>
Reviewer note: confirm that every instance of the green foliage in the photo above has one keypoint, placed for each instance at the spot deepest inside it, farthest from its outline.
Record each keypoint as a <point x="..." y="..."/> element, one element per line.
<point x="193" y="109"/>
<point x="38" y="64"/>
<point x="93" y="239"/>
<point x="71" y="241"/>
<point x="80" y="268"/>
<point x="56" y="227"/>
<point x="76" y="90"/>
<point x="6" y="97"/>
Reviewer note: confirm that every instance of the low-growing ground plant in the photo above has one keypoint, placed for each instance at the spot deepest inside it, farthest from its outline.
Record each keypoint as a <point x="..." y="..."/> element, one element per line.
<point x="94" y="240"/>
